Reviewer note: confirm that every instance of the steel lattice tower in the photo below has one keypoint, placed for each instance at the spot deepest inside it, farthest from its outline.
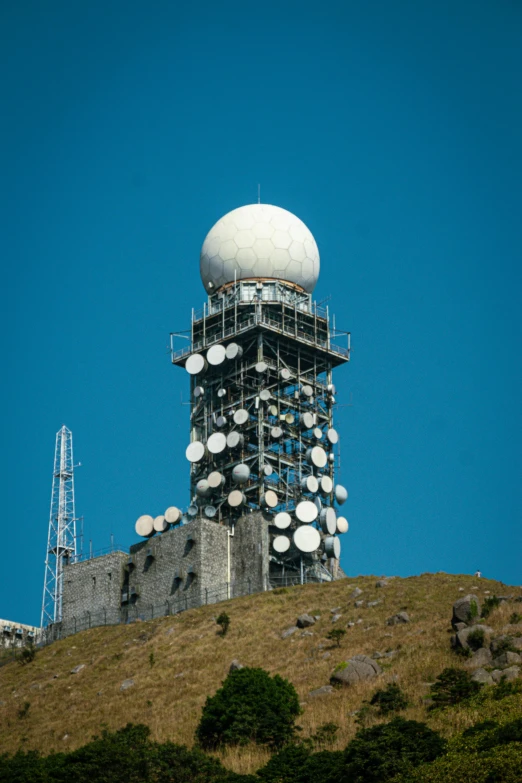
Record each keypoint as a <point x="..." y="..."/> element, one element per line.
<point x="61" y="541"/>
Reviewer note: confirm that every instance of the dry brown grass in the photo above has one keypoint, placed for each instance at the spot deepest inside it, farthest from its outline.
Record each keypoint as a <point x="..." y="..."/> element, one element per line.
<point x="192" y="659"/>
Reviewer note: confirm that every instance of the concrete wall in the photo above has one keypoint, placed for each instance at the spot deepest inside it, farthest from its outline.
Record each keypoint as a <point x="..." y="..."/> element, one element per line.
<point x="93" y="585"/>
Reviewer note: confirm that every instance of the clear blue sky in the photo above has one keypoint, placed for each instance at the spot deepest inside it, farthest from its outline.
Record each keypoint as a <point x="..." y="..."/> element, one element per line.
<point x="392" y="129"/>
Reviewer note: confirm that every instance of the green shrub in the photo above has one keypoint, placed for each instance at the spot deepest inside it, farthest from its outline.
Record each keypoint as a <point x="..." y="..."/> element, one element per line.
<point x="499" y="765"/>
<point x="335" y="635"/>
<point x="295" y="764"/>
<point x="506" y="688"/>
<point x="478" y="728"/>
<point x="379" y="753"/>
<point x="502" y="735"/>
<point x="391" y="699"/>
<point x="23" y="712"/>
<point x="224" y="621"/>
<point x="27" y="654"/>
<point x="504" y="645"/>
<point x="490" y="603"/>
<point x="515" y="618"/>
<point x="325" y="734"/>
<point x="452" y="687"/>
<point x="251" y="706"/>
<point x="473" y="610"/>
<point x="476" y="639"/>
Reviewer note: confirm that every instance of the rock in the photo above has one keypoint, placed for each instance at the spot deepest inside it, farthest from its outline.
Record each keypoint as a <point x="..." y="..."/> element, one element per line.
<point x="289" y="632"/>
<point x="317" y="617"/>
<point x="356" y="593"/>
<point x="480" y="658"/>
<point x="336" y="617"/>
<point x="305" y="620"/>
<point x="381" y="583"/>
<point x="461" y="639"/>
<point x="356" y="669"/>
<point x="65" y="737"/>
<point x="235" y="666"/>
<point x="509" y="674"/>
<point x="78" y="668"/>
<point x="481" y="675"/>
<point x="126" y="684"/>
<point x="55" y="676"/>
<point x="350" y="624"/>
<point x="506" y="659"/>
<point x="466" y="609"/>
<point x="391" y="654"/>
<point x="398" y="619"/>
<point x="373" y="603"/>
<point x="359" y="621"/>
<point x="460" y="626"/>
<point x="516" y="642"/>
<point x="35" y="686"/>
<point x="334" y="611"/>
<point x="326" y="655"/>
<point x="307" y="633"/>
<point x="377" y="655"/>
<point x="177" y="676"/>
<point x="358" y="604"/>
<point x="100" y="693"/>
<point x="323" y="691"/>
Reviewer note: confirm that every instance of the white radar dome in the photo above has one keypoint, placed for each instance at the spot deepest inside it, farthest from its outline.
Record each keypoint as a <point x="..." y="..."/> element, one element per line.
<point x="259" y="240"/>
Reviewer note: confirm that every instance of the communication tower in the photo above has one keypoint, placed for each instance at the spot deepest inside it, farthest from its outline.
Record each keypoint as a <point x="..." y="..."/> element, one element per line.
<point x="260" y="361"/>
<point x="61" y="540"/>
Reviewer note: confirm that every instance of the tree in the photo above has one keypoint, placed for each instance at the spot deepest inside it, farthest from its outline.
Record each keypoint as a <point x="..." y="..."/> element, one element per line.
<point x="224" y="621"/>
<point x="451" y="687"/>
<point x="250" y="706"/>
<point x="335" y="635"/>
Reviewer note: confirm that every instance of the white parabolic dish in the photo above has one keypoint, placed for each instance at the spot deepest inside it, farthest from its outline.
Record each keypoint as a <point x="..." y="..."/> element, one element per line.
<point x="282" y="520"/>
<point x="195" y="451"/>
<point x="195" y="364"/>
<point x="306" y="511"/>
<point x="342" y="525"/>
<point x="160" y="524"/>
<point x="217" y="442"/>
<point x="281" y="544"/>
<point x="259" y="240"/>
<point x="216" y="355"/>
<point x="172" y="515"/>
<point x="144" y="526"/>
<point x="307" y="539"/>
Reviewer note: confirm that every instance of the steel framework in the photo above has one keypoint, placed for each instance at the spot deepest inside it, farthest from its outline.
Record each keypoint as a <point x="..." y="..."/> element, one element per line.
<point x="61" y="539"/>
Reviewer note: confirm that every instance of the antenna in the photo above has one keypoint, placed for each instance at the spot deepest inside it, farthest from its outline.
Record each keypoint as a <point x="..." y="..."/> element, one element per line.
<point x="259" y="193"/>
<point x="61" y="540"/>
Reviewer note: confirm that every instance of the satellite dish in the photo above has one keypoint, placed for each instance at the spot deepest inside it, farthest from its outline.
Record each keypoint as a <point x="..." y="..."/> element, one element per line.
<point x="267" y="470"/>
<point x="215" y="479"/>
<point x="316" y="456"/>
<point x="235" y="440"/>
<point x="332" y="436"/>
<point x="285" y="374"/>
<point x="261" y="367"/>
<point x="160" y="524"/>
<point x="341" y="494"/>
<point x="192" y="510"/>
<point x="199" y="391"/>
<point x="172" y="515"/>
<point x="306" y="511"/>
<point x="216" y="355"/>
<point x="144" y="526"/>
<point x="309" y="484"/>
<point x="282" y="520"/>
<point x="326" y="485"/>
<point x="234" y="351"/>
<point x="342" y="525"/>
<point x="202" y="488"/>
<point x="276" y="432"/>
<point x="236" y="498"/>
<point x="307" y="391"/>
<point x="195" y="451"/>
<point x="195" y="364"/>
<point x="289" y="418"/>
<point x="330" y="388"/>
<point x="328" y="519"/>
<point x="331" y="457"/>
<point x="318" y="433"/>
<point x="332" y="547"/>
<point x="281" y="544"/>
<point x="264" y="395"/>
<point x="240" y="473"/>
<point x="241" y="416"/>
<point x="217" y="443"/>
<point x="307" y="421"/>
<point x="221" y="393"/>
<point x="273" y="410"/>
<point x="210" y="511"/>
<point x="220" y="421"/>
<point x="269" y="499"/>
<point x="318" y="503"/>
<point x="307" y="539"/>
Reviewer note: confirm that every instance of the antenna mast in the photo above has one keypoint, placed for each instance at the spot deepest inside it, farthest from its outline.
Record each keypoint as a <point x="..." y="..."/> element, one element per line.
<point x="61" y="541"/>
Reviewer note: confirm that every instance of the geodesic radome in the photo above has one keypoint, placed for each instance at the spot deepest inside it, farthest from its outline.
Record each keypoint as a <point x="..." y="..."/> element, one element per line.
<point x="259" y="240"/>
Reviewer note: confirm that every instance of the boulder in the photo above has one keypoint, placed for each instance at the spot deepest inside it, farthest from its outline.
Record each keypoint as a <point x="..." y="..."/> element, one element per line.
<point x="358" y="604"/>
<point x="336" y="617"/>
<point x="373" y="603"/>
<point x="235" y="666"/>
<point x="461" y="639"/>
<point x="460" y="626"/>
<point x="398" y="619"/>
<point x="356" y="593"/>
<point x="466" y="609"/>
<point x="324" y="691"/>
<point x="78" y="668"/>
<point x="506" y="640"/>
<point x="516" y="642"/>
<point x="507" y="659"/>
<point x="480" y="658"/>
<point x="482" y="676"/>
<point x="289" y="632"/>
<point x="126" y="684"/>
<point x="305" y="620"/>
<point x="307" y="633"/>
<point x="381" y="583"/>
<point x="356" y="669"/>
<point x="508" y="674"/>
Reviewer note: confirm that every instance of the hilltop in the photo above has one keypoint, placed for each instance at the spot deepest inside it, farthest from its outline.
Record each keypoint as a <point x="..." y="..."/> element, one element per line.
<point x="176" y="662"/>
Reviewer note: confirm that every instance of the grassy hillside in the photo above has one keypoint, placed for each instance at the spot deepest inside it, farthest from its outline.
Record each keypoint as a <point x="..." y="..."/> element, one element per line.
<point x="176" y="662"/>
